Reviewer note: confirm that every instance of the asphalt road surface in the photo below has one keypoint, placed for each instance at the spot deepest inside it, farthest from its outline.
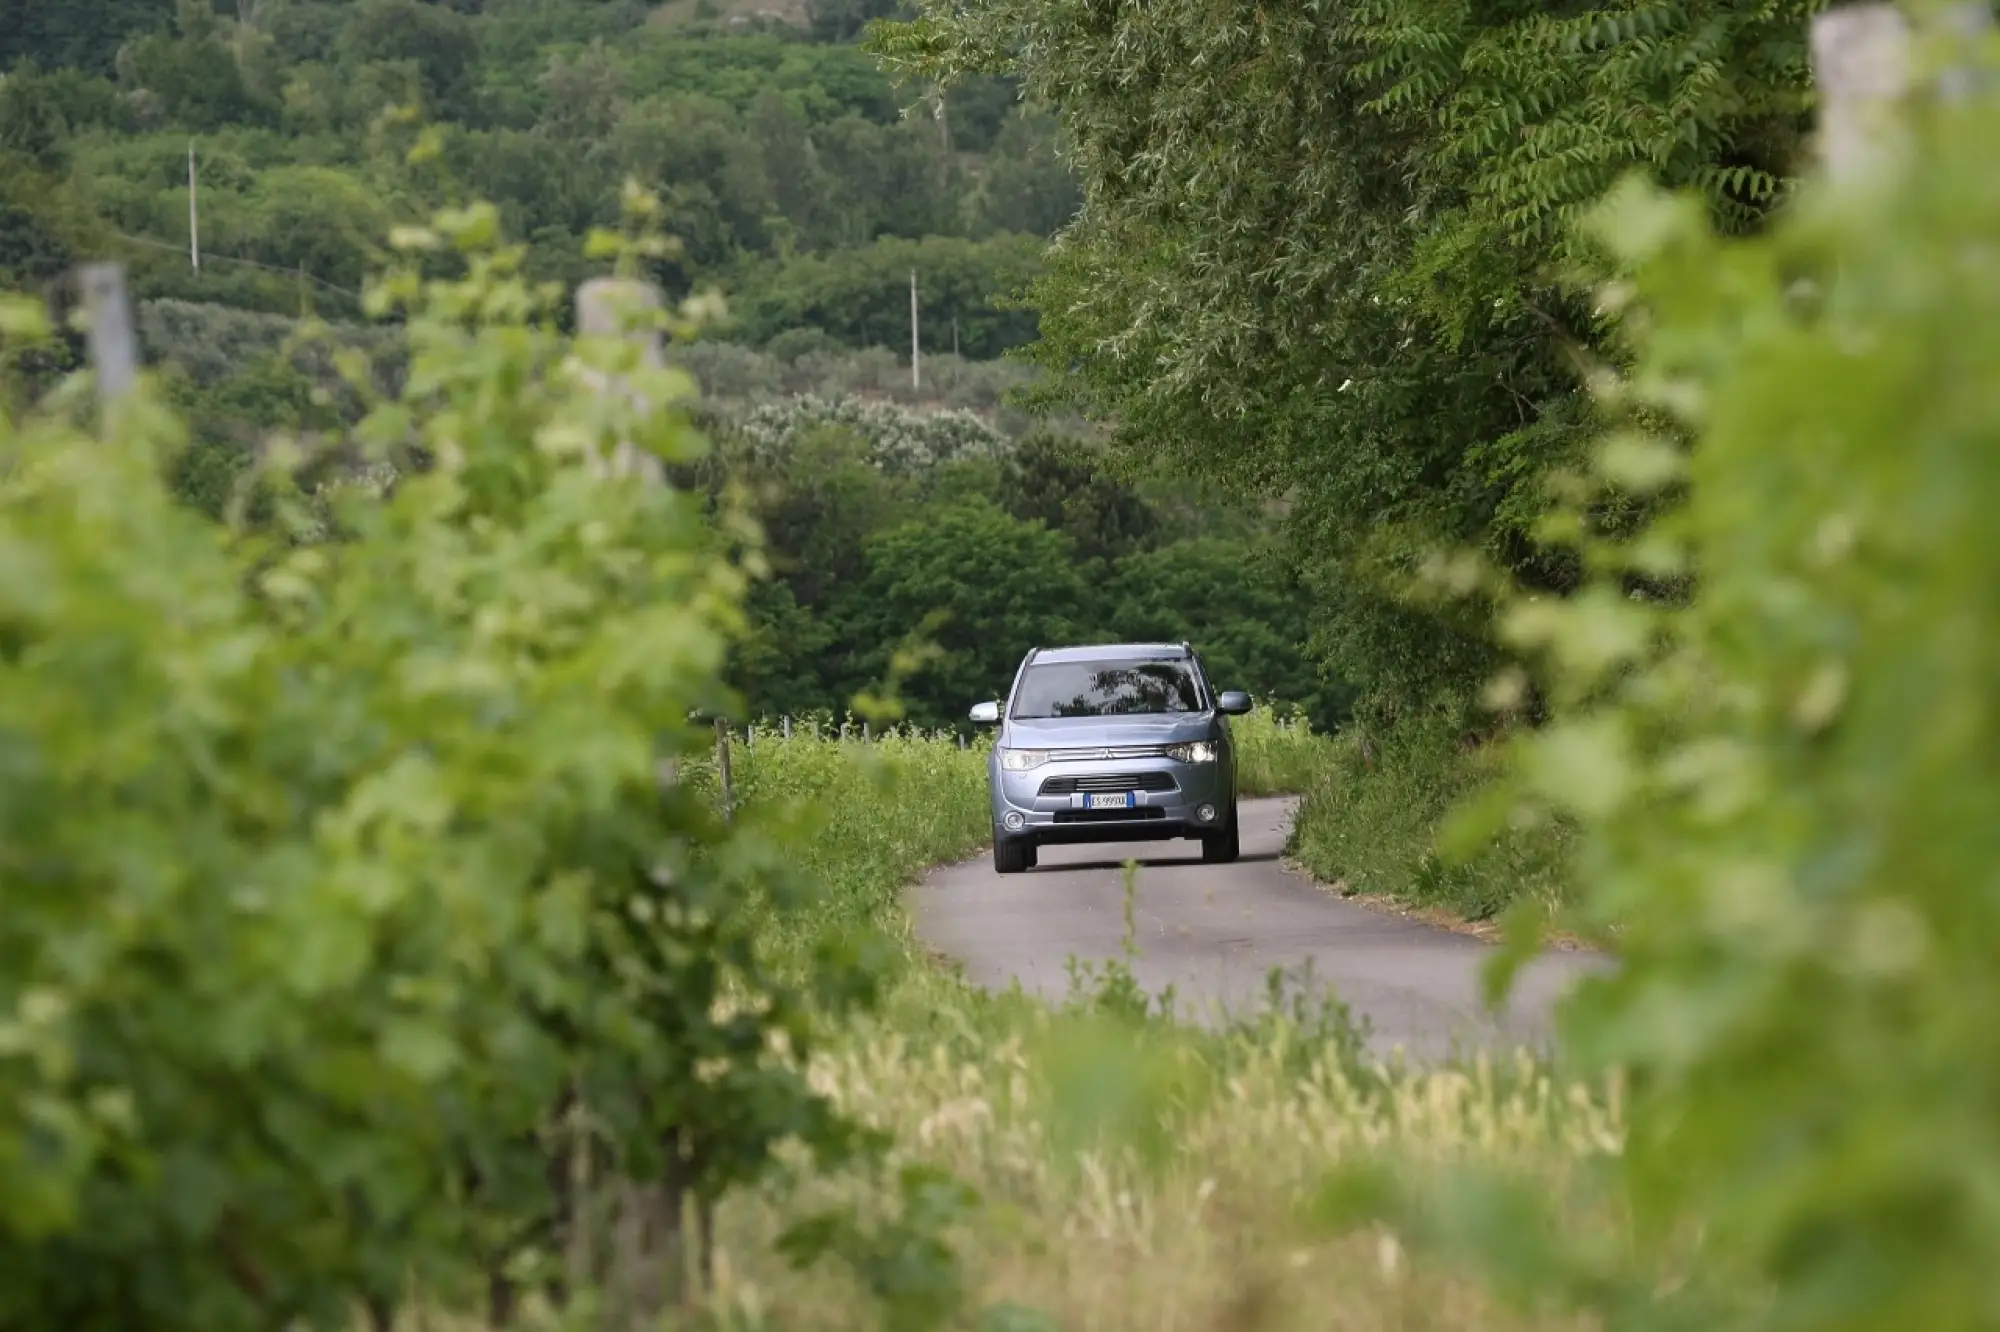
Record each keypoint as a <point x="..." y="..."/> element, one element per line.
<point x="1214" y="932"/>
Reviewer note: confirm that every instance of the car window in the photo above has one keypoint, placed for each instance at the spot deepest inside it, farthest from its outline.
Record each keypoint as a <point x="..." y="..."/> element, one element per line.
<point x="1106" y="689"/>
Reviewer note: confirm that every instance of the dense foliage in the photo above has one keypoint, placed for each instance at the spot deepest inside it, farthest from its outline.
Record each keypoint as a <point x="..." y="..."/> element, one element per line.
<point x="794" y="180"/>
<point x="1322" y="253"/>
<point x="1784" y="785"/>
<point x="889" y="530"/>
<point x="1791" y="802"/>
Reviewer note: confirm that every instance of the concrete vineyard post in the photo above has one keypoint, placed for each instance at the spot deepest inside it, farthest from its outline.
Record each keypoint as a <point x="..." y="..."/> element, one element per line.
<point x="617" y="307"/>
<point x="114" y="346"/>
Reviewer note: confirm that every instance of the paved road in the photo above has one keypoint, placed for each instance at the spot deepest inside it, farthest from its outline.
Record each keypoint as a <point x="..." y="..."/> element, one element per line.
<point x="1214" y="932"/>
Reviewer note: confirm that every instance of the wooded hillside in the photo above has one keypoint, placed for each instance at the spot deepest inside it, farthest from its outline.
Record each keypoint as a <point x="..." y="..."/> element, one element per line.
<point x="794" y="180"/>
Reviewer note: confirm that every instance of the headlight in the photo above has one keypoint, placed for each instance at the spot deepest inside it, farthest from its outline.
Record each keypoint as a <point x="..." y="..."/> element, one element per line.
<point x="1198" y="751"/>
<point x="1021" y="760"/>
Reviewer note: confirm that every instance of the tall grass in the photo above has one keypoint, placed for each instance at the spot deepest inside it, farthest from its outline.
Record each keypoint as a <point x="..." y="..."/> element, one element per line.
<point x="1278" y="753"/>
<point x="1370" y="822"/>
<point x="876" y="812"/>
<point x="1130" y="1173"/>
<point x="1190" y="1211"/>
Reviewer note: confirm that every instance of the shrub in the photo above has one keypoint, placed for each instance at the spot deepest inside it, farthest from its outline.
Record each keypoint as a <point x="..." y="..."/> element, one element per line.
<point x="899" y="440"/>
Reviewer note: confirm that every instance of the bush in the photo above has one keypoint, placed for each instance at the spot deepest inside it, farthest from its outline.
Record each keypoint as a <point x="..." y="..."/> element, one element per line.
<point x="900" y="441"/>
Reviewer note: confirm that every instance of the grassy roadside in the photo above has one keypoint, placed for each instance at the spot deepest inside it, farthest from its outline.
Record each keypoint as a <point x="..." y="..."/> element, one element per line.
<point x="1369" y="825"/>
<point x="883" y="811"/>
<point x="1125" y="1172"/>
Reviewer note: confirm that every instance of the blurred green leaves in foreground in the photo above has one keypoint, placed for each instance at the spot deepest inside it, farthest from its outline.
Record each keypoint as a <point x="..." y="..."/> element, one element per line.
<point x="1787" y="778"/>
<point x="338" y="868"/>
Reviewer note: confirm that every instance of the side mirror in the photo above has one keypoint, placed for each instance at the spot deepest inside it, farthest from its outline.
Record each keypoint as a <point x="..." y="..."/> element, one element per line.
<point x="1233" y="703"/>
<point x="986" y="714"/>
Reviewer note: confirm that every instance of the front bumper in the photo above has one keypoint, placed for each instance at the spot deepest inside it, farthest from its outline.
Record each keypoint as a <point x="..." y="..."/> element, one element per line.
<point x="1051" y="803"/>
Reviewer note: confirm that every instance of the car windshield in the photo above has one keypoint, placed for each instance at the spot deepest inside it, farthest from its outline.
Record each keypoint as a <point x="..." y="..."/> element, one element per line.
<point x="1106" y="689"/>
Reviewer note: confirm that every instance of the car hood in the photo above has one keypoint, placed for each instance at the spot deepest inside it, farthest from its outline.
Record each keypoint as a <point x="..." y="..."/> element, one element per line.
<point x="1081" y="732"/>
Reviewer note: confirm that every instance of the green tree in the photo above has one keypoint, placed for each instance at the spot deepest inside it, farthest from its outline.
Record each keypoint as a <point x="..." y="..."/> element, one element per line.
<point x="799" y="187"/>
<point x="818" y="503"/>
<point x="844" y="20"/>
<point x="694" y="150"/>
<point x="192" y="77"/>
<point x="862" y="296"/>
<point x="582" y="96"/>
<point x="325" y="222"/>
<point x="440" y="44"/>
<point x="976" y="582"/>
<point x="887" y="180"/>
<point x="1319" y="250"/>
<point x="78" y="34"/>
<point x="45" y="228"/>
<point x="1027" y="187"/>
<point x="1240" y="608"/>
<point x="978" y="109"/>
<point x="1064" y="485"/>
<point x="32" y="126"/>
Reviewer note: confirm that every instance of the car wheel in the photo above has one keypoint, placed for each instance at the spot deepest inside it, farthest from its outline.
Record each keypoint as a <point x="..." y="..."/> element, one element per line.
<point x="1011" y="856"/>
<point x="1220" y="848"/>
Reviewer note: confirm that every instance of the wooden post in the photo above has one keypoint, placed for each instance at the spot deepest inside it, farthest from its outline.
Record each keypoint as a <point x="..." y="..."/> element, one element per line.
<point x="724" y="778"/>
<point x="785" y="727"/>
<point x="114" y="346"/>
<point x="916" y="352"/>
<point x="615" y="307"/>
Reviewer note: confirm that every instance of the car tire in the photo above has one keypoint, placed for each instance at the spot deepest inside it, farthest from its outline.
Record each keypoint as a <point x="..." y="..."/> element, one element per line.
<point x="1011" y="855"/>
<point x="1221" y="848"/>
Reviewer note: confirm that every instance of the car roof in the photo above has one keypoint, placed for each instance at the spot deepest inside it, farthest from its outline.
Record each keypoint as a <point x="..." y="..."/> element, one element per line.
<point x="1112" y="652"/>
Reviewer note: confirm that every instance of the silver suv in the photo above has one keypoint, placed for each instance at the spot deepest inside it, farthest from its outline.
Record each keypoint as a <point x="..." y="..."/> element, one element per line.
<point x="1112" y="743"/>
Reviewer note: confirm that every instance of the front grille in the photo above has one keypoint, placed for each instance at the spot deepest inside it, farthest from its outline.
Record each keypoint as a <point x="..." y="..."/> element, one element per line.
<point x="1108" y="781"/>
<point x="1109" y="815"/>
<point x="1109" y="752"/>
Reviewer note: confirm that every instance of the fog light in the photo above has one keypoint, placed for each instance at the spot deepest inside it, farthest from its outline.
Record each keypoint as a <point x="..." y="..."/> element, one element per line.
<point x="1206" y="813"/>
<point x="1014" y="821"/>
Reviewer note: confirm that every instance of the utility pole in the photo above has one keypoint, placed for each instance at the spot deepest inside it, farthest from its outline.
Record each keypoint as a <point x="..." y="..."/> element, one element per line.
<point x="916" y="352"/>
<point x="194" y="214"/>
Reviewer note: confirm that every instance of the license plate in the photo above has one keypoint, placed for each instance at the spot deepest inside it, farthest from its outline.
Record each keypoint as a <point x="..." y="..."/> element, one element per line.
<point x="1123" y="800"/>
